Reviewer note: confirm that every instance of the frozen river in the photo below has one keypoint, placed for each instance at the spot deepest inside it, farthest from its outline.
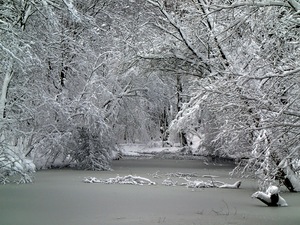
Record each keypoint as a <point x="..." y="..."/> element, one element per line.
<point x="59" y="197"/>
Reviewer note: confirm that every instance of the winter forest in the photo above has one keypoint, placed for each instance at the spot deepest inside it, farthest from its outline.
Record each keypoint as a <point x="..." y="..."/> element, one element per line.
<point x="80" y="77"/>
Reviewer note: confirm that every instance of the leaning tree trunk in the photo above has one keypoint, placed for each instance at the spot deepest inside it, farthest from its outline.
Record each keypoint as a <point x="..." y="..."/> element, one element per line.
<point x="290" y="179"/>
<point x="287" y="174"/>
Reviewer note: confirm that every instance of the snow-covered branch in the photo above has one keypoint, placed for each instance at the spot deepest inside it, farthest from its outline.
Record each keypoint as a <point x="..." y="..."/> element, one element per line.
<point x="295" y="4"/>
<point x="174" y="22"/>
<point x="250" y="3"/>
<point x="129" y="179"/>
<point x="282" y="75"/>
<point x="11" y="54"/>
<point x="72" y="9"/>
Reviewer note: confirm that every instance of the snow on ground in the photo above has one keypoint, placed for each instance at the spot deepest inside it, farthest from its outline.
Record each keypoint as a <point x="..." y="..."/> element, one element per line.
<point x="156" y="147"/>
<point x="145" y="149"/>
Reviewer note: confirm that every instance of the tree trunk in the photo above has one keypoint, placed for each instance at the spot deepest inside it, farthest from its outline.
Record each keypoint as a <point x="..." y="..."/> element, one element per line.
<point x="290" y="180"/>
<point x="4" y="90"/>
<point x="182" y="134"/>
<point x="286" y="174"/>
<point x="183" y="139"/>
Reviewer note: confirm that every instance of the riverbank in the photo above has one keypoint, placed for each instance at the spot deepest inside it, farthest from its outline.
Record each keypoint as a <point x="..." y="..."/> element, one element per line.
<point x="59" y="197"/>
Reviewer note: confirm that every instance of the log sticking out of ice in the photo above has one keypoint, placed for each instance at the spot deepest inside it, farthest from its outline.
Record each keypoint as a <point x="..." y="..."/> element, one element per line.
<point x="235" y="185"/>
<point x="271" y="197"/>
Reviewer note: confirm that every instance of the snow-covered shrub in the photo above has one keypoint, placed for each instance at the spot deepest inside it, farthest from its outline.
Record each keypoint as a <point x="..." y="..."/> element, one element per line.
<point x="14" y="166"/>
<point x="92" y="147"/>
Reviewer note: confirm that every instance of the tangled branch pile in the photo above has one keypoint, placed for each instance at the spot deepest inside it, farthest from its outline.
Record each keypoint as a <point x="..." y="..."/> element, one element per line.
<point x="169" y="181"/>
<point x="129" y="179"/>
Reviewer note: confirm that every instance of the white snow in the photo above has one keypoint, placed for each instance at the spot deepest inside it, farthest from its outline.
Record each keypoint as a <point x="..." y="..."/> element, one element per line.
<point x="142" y="149"/>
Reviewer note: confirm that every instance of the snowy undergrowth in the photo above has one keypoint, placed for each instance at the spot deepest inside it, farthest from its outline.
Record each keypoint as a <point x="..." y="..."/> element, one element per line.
<point x="15" y="168"/>
<point x="144" y="149"/>
<point x="161" y="149"/>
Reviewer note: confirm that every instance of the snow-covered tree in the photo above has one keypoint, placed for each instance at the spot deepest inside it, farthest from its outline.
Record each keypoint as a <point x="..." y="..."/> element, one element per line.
<point x="266" y="83"/>
<point x="46" y="94"/>
<point x="69" y="110"/>
<point x="16" y="61"/>
<point x="245" y="102"/>
<point x="71" y="88"/>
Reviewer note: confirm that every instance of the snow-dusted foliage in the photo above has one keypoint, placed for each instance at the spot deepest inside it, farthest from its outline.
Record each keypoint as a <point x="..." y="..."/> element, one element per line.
<point x="92" y="149"/>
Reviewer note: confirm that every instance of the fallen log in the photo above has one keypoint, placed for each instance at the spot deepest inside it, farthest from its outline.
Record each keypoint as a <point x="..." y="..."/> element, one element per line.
<point x="271" y="197"/>
<point x="235" y="185"/>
